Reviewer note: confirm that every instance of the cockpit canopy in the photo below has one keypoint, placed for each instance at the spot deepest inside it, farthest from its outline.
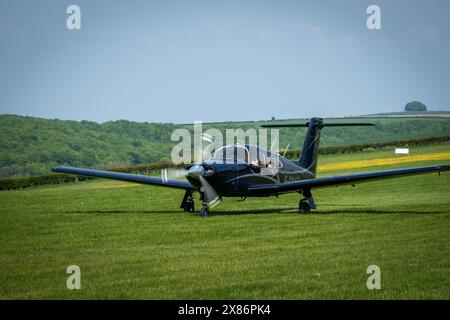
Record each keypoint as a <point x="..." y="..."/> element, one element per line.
<point x="247" y="154"/>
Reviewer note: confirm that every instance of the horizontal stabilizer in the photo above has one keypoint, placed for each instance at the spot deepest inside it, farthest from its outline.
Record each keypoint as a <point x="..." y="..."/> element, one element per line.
<point x="336" y="124"/>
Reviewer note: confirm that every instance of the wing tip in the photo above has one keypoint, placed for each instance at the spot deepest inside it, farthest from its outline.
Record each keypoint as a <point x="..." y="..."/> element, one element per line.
<point x="56" y="169"/>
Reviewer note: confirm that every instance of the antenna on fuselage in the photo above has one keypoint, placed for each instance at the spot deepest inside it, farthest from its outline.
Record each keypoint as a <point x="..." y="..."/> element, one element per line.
<point x="285" y="150"/>
<point x="273" y="143"/>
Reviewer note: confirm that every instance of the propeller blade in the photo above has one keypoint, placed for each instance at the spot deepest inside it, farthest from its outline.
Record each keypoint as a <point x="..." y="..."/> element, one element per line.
<point x="210" y="195"/>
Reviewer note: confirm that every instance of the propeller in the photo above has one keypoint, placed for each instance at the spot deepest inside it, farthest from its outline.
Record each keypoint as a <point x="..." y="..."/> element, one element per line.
<point x="196" y="171"/>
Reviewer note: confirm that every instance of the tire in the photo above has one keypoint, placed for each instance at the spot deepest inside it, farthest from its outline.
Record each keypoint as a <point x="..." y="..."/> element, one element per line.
<point x="204" y="212"/>
<point x="189" y="207"/>
<point x="303" y="207"/>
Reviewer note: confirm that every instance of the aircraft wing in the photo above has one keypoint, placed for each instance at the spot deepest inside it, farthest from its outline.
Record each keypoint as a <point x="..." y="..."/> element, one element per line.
<point x="172" y="183"/>
<point x="341" y="179"/>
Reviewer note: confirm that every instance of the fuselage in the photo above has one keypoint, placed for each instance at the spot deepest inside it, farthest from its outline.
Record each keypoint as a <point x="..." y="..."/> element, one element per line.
<point x="232" y="169"/>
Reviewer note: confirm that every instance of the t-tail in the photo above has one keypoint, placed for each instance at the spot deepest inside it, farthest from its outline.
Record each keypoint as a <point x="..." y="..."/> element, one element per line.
<point x="310" y="150"/>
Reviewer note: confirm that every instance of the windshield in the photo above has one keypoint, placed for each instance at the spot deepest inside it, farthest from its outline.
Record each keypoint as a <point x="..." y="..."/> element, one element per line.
<point x="232" y="154"/>
<point x="247" y="155"/>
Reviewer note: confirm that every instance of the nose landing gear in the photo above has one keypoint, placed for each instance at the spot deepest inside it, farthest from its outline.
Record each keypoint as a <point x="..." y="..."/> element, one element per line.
<point x="204" y="212"/>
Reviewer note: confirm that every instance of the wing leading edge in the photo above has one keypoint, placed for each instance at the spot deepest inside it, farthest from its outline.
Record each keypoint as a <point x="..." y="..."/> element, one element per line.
<point x="342" y="179"/>
<point x="172" y="183"/>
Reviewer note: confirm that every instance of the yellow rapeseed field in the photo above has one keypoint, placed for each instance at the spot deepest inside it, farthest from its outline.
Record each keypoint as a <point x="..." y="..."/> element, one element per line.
<point x="384" y="161"/>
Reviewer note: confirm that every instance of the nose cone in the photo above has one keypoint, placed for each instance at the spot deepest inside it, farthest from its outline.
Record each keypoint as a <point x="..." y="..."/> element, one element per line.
<point x="196" y="171"/>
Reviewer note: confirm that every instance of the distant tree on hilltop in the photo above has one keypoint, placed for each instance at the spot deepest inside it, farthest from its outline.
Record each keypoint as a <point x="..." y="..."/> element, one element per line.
<point x="415" y="106"/>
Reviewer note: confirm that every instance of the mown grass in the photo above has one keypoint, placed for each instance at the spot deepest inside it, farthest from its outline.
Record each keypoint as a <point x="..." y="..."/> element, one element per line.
<point x="134" y="242"/>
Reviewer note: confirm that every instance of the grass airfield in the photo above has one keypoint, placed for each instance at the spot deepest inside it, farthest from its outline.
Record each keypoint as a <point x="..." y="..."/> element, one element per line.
<point x="133" y="242"/>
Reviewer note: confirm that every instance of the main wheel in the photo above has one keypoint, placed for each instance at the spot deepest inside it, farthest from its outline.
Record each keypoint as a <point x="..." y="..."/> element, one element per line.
<point x="303" y="207"/>
<point x="204" y="212"/>
<point x="189" y="207"/>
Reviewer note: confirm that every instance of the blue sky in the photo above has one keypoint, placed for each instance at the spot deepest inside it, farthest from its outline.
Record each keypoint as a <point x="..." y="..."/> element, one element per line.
<point x="180" y="61"/>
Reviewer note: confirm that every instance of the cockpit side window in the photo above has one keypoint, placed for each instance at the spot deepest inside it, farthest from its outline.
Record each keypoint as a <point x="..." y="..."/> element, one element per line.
<point x="265" y="159"/>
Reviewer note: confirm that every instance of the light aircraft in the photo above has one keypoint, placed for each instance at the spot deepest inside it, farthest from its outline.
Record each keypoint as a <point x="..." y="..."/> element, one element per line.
<point x="250" y="171"/>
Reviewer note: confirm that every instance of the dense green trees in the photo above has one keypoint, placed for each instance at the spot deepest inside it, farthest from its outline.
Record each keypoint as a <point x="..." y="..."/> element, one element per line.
<point x="30" y="146"/>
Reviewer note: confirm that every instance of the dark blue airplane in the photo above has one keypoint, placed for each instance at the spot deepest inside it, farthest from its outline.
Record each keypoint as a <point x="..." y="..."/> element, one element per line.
<point x="249" y="171"/>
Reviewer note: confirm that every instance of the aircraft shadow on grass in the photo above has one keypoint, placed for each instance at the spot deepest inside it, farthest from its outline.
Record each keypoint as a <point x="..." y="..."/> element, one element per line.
<point x="216" y="213"/>
<point x="345" y="210"/>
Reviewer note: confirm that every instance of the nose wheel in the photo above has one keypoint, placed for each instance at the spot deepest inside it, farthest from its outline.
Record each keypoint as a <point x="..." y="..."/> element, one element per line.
<point x="204" y="212"/>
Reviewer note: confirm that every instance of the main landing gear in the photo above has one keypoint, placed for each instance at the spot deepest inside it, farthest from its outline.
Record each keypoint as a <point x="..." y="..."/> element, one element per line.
<point x="188" y="202"/>
<point x="307" y="203"/>
<point x="303" y="206"/>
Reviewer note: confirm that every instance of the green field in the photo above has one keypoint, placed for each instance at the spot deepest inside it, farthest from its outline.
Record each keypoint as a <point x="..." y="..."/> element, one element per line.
<point x="134" y="242"/>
